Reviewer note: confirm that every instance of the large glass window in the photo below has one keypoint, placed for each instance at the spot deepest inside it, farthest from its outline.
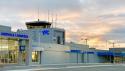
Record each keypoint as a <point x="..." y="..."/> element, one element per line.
<point x="8" y="50"/>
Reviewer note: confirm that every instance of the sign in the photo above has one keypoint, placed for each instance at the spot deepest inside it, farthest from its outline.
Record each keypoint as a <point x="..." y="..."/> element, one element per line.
<point x="22" y="48"/>
<point x="75" y="51"/>
<point x="13" y="35"/>
<point x="45" y="32"/>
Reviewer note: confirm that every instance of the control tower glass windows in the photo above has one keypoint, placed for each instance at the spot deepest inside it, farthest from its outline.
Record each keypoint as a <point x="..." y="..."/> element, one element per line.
<point x="38" y="24"/>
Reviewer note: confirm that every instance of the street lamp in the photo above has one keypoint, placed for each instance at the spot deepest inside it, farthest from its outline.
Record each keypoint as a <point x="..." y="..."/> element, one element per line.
<point x="113" y="46"/>
<point x="86" y="43"/>
<point x="86" y="40"/>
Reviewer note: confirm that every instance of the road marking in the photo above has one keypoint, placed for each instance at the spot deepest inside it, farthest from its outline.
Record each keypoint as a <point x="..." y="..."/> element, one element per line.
<point x="68" y="67"/>
<point x="34" y="69"/>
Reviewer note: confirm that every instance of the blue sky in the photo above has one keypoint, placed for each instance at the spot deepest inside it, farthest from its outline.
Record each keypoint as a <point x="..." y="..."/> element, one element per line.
<point x="97" y="20"/>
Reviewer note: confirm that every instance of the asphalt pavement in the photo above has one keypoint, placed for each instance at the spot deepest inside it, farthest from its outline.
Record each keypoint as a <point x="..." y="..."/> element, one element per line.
<point x="68" y="67"/>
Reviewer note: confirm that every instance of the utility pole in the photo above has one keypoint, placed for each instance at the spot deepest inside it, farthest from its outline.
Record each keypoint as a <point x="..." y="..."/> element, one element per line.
<point x="113" y="51"/>
<point x="52" y="19"/>
<point x="110" y="56"/>
<point x="48" y="16"/>
<point x="56" y="21"/>
<point x="38" y="10"/>
<point x="86" y="52"/>
<point x="86" y="42"/>
<point x="113" y="45"/>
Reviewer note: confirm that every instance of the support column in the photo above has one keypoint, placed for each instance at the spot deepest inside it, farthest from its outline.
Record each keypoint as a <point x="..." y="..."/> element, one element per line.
<point x="28" y="53"/>
<point x="19" y="58"/>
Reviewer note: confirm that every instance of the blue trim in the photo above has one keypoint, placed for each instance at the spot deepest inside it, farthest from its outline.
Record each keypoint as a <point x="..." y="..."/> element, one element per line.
<point x="110" y="54"/>
<point x="88" y="52"/>
<point x="80" y="51"/>
<point x="104" y="53"/>
<point x="123" y="54"/>
<point x="75" y="51"/>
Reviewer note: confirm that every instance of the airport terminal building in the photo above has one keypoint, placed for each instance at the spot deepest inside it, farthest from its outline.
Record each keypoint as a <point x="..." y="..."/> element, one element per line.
<point x="41" y="44"/>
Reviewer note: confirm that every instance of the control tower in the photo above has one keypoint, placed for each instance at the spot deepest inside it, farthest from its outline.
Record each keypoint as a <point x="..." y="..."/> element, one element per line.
<point x="38" y="24"/>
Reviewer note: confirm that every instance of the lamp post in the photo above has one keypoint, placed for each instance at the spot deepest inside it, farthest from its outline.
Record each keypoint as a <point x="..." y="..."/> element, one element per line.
<point x="86" y="40"/>
<point x="113" y="46"/>
<point x="86" y="43"/>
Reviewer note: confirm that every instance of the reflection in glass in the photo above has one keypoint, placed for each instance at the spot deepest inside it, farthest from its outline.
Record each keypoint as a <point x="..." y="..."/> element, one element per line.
<point x="8" y="50"/>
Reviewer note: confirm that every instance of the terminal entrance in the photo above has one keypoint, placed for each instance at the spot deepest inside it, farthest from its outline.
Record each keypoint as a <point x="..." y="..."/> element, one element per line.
<point x="36" y="57"/>
<point x="9" y="49"/>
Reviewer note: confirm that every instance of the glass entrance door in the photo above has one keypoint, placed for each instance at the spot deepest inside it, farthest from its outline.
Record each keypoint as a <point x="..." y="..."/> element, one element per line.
<point x="36" y="57"/>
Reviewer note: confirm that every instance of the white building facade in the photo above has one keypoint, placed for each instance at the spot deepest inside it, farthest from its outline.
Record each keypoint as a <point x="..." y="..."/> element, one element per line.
<point x="41" y="44"/>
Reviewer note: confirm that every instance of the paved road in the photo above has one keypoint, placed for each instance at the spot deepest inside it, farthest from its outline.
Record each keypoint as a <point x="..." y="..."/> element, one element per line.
<point x="74" y="67"/>
<point x="89" y="68"/>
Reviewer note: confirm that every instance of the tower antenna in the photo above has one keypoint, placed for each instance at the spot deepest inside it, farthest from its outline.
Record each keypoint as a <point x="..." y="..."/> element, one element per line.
<point x="38" y="13"/>
<point x="48" y="15"/>
<point x="52" y="19"/>
<point x="56" y="21"/>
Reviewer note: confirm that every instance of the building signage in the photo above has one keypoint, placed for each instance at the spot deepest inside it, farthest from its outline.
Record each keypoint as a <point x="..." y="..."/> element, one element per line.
<point x="22" y="48"/>
<point x="13" y="35"/>
<point x="45" y="32"/>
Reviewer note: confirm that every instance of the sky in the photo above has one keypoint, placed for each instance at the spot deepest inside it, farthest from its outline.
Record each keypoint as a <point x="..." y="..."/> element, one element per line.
<point x="100" y="21"/>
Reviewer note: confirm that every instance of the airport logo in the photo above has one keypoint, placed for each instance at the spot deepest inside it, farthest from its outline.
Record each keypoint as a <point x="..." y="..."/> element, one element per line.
<point x="45" y="32"/>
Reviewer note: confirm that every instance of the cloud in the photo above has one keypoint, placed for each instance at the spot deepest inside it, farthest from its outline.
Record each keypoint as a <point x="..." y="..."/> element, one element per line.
<point x="97" y="20"/>
<point x="25" y="10"/>
<point x="42" y="4"/>
<point x="116" y="34"/>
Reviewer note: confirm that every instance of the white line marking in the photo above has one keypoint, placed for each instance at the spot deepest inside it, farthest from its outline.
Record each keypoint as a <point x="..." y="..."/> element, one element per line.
<point x="68" y="67"/>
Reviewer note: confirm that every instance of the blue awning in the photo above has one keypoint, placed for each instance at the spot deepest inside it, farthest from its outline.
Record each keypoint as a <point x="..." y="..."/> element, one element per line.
<point x="76" y="51"/>
<point x="88" y="52"/>
<point x="100" y="53"/>
<point x="80" y="51"/>
<point x="110" y="54"/>
<point x="104" y="53"/>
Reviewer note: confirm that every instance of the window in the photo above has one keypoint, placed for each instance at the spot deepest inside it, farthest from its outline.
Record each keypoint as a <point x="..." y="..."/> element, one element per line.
<point x="35" y="56"/>
<point x="8" y="50"/>
<point x="58" y="40"/>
